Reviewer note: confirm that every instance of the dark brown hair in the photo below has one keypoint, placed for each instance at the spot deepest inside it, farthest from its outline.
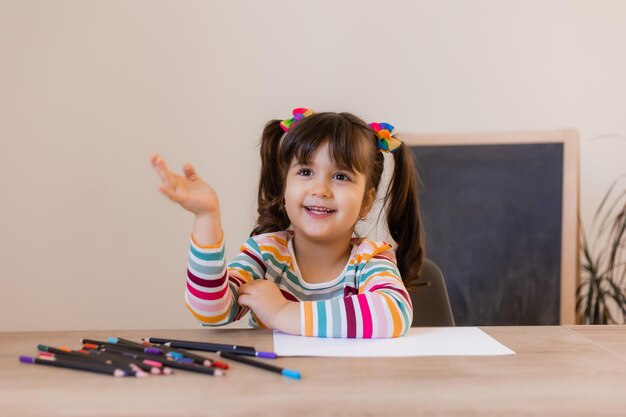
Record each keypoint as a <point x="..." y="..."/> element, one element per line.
<point x="353" y="145"/>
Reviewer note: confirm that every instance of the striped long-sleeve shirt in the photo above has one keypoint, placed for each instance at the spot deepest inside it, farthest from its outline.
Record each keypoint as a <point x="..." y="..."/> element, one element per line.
<point x="367" y="300"/>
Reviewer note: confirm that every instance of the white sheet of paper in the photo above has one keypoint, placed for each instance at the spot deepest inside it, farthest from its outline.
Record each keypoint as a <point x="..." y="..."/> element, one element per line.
<point x="419" y="341"/>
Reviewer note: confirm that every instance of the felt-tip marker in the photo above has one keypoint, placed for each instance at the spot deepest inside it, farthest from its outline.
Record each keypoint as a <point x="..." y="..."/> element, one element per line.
<point x="238" y="358"/>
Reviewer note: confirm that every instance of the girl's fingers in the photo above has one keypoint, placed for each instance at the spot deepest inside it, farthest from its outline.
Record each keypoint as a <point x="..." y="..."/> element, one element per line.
<point x="190" y="172"/>
<point x="247" y="301"/>
<point x="242" y="289"/>
<point x="161" y="168"/>
<point x="243" y="300"/>
<point x="247" y="288"/>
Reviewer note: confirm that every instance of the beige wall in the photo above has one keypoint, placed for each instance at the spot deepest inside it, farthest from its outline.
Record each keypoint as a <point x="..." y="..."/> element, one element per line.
<point x="88" y="90"/>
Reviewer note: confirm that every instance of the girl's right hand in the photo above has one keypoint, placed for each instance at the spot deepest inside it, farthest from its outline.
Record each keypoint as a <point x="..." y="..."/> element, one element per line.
<point x="190" y="191"/>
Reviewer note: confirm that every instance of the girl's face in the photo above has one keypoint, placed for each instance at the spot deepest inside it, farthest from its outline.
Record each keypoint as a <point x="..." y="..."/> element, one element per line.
<point x="324" y="201"/>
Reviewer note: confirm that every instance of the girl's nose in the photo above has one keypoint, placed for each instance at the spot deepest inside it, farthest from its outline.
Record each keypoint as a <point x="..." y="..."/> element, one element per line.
<point x="321" y="189"/>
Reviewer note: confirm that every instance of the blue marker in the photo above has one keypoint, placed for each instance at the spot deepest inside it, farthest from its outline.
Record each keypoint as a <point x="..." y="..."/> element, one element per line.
<point x="263" y="365"/>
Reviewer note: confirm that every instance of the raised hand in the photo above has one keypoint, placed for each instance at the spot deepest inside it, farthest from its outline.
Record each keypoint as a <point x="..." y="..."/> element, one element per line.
<point x="190" y="191"/>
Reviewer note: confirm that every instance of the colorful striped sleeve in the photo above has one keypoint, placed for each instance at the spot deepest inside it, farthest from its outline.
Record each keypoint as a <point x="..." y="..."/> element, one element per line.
<point x="381" y="308"/>
<point x="211" y="294"/>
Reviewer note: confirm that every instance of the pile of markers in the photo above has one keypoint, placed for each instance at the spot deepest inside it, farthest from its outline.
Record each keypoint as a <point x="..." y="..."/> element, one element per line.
<point x="154" y="356"/>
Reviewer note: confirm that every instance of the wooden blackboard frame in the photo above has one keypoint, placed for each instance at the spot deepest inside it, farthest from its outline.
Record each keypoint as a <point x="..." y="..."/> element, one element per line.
<point x="569" y="138"/>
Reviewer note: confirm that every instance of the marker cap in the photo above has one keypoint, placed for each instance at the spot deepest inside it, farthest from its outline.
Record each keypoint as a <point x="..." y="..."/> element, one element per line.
<point x="291" y="373"/>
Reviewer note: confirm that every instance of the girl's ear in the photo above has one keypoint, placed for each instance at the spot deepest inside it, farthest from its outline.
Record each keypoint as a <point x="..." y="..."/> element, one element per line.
<point x="368" y="201"/>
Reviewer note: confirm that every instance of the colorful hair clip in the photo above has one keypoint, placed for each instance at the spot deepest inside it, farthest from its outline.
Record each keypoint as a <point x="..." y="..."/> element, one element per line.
<point x="386" y="141"/>
<point x="298" y="114"/>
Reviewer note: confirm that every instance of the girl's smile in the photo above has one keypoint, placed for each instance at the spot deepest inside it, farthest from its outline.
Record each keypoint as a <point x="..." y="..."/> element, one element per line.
<point x="319" y="212"/>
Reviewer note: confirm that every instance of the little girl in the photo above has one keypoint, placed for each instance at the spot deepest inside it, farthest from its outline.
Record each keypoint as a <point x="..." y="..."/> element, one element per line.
<point x="303" y="271"/>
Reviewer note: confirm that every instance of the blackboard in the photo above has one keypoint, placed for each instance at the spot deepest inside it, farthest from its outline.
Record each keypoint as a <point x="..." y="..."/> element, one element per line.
<point x="495" y="214"/>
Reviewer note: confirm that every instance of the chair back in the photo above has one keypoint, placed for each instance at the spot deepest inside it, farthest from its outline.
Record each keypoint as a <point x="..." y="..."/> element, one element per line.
<point x="431" y="305"/>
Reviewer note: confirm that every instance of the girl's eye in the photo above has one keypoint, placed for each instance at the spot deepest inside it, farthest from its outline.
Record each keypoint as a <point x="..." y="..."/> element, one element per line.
<point x="305" y="172"/>
<point x="342" y="177"/>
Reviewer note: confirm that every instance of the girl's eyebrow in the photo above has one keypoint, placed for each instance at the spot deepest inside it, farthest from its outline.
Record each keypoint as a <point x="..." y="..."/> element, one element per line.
<point x="311" y="164"/>
<point x="345" y="168"/>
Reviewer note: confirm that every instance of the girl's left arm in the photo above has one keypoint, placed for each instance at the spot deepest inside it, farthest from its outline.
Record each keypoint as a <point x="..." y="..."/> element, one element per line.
<point x="381" y="308"/>
<point x="212" y="285"/>
<point x="218" y="294"/>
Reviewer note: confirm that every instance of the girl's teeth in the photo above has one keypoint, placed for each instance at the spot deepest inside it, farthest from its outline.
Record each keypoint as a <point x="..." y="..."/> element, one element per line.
<point x="319" y="210"/>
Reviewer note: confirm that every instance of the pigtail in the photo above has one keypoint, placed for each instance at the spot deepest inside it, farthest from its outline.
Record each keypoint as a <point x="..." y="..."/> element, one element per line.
<point x="272" y="215"/>
<point x="403" y="215"/>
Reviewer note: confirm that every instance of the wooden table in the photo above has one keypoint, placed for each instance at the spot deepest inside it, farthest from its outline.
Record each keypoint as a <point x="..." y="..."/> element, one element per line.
<point x="558" y="371"/>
